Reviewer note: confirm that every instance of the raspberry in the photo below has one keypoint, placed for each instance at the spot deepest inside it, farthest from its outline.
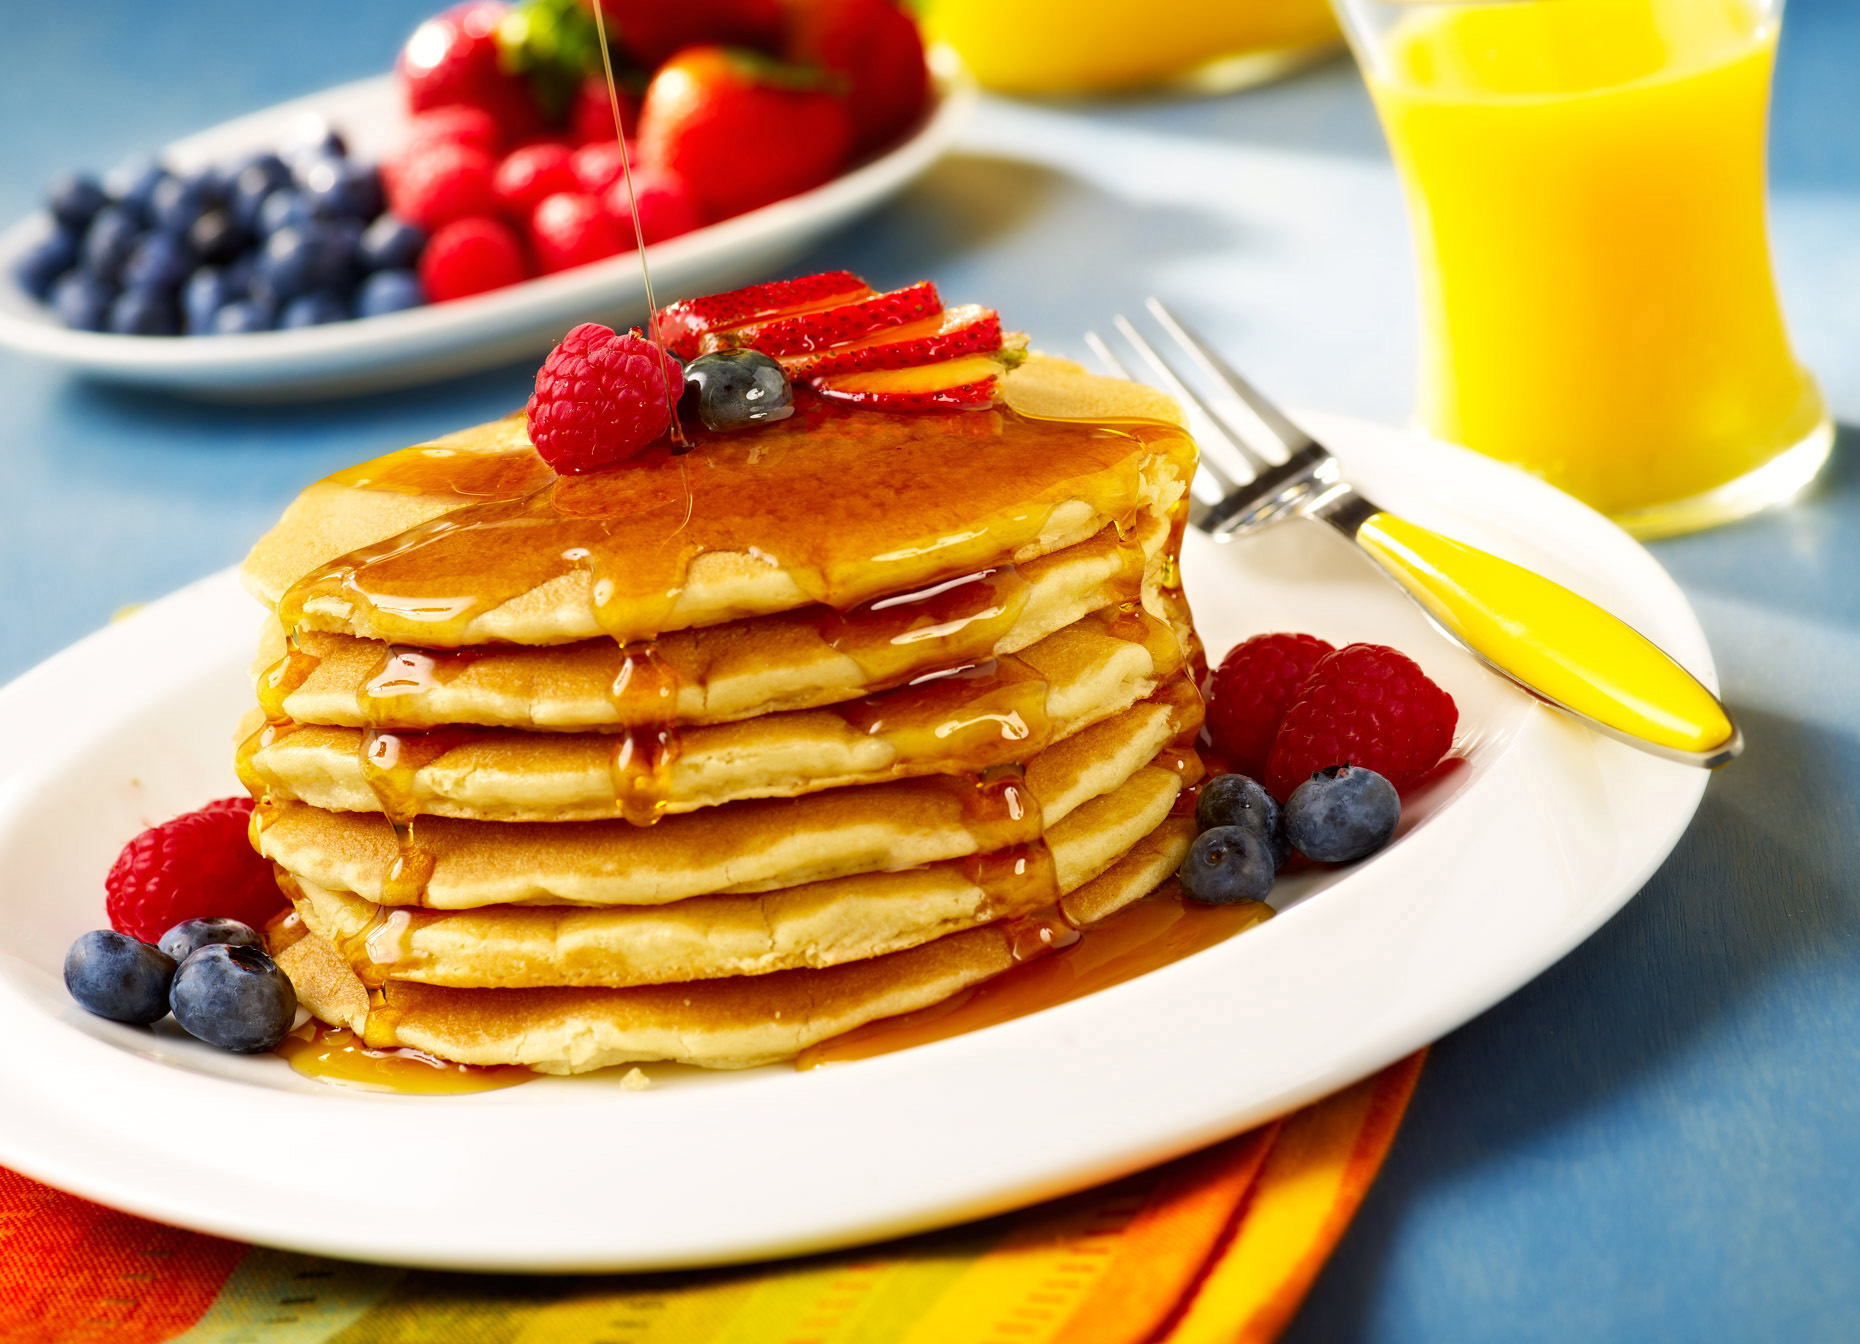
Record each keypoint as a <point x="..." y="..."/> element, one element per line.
<point x="440" y="181"/>
<point x="570" y="229"/>
<point x="591" y="114"/>
<point x="470" y="256"/>
<point x="597" y="165"/>
<point x="1250" y="692"/>
<point x="528" y="174"/>
<point x="1364" y="705"/>
<point x="599" y="398"/>
<point x="197" y="866"/>
<point x="458" y="125"/>
<point x="666" y="206"/>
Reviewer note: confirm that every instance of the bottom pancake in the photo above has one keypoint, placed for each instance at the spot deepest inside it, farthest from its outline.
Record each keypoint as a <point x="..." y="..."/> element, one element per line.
<point x="731" y="1023"/>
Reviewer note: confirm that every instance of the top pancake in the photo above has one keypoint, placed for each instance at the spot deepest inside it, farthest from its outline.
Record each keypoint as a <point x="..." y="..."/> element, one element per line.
<point x="473" y="540"/>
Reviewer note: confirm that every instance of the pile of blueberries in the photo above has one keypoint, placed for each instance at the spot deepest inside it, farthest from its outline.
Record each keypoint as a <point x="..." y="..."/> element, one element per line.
<point x="1339" y="815"/>
<point x="265" y="242"/>
<point x="214" y="975"/>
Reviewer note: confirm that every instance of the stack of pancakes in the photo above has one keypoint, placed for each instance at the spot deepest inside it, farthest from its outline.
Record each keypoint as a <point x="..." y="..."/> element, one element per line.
<point x="711" y="757"/>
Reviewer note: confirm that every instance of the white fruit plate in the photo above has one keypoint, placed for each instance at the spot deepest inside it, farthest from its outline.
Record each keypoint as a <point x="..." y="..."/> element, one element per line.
<point x="1501" y="866"/>
<point x="448" y="339"/>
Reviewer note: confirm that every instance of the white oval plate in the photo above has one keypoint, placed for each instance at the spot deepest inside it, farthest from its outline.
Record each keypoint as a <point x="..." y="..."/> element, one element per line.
<point x="1501" y="867"/>
<point x="448" y="339"/>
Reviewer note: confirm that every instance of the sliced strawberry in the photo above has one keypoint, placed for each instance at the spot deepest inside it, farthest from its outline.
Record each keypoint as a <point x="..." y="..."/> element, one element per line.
<point x="824" y="328"/>
<point x="968" y="329"/>
<point x="964" y="382"/>
<point x="684" y="324"/>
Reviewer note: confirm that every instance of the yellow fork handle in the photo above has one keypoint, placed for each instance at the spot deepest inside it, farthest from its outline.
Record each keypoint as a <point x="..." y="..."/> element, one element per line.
<point x="1555" y="644"/>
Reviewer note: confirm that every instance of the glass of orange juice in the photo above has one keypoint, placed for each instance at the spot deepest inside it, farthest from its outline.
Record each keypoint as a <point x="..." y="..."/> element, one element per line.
<point x="1106" y="46"/>
<point x="1586" y="183"/>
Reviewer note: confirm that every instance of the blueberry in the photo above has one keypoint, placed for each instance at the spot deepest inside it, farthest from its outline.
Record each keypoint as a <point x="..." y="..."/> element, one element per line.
<point x="144" y="311"/>
<point x="217" y="237"/>
<point x="1235" y="800"/>
<point x="340" y="187"/>
<point x="1341" y="814"/>
<point x="284" y="208"/>
<point x="389" y="292"/>
<point x="109" y="241"/>
<point x="313" y="310"/>
<point x="233" y="997"/>
<point x="241" y="316"/>
<point x="734" y="388"/>
<point x="158" y="261"/>
<point x="74" y="200"/>
<point x="297" y="260"/>
<point x="190" y="935"/>
<point x="205" y="293"/>
<point x="390" y="244"/>
<point x="176" y="202"/>
<point x="130" y="184"/>
<point x="82" y="301"/>
<point x="114" y="976"/>
<point x="239" y="274"/>
<point x="253" y="184"/>
<point x="1225" y="865"/>
<point x="42" y="263"/>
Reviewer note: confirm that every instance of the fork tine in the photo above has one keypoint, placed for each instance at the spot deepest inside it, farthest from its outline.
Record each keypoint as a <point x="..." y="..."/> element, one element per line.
<point x="1108" y="357"/>
<point x="1192" y="399"/>
<point x="1291" y="438"/>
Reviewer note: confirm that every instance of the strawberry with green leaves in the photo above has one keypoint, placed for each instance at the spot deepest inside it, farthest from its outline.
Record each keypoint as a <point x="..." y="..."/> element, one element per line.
<point x="742" y="130"/>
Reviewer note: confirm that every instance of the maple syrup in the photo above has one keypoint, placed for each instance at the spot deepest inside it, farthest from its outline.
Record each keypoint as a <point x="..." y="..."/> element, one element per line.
<point x="337" y="1055"/>
<point x="390" y="764"/>
<point x="852" y="504"/>
<point x="402" y="675"/>
<point x="1148" y="934"/>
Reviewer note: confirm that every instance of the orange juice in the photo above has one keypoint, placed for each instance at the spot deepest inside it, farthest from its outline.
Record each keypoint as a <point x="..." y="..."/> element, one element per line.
<point x="1587" y="184"/>
<point x="1089" y="46"/>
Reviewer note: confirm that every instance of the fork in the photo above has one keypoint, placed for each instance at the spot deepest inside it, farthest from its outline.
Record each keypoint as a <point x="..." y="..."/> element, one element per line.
<point x="1556" y="646"/>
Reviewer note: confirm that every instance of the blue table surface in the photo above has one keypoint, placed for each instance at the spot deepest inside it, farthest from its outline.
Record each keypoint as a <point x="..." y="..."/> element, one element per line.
<point x="1659" y="1138"/>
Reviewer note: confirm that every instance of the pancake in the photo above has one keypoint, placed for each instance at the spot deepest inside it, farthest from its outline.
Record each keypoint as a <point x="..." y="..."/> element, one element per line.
<point x="741" y="847"/>
<point x="992" y="714"/>
<point x="816" y="925"/>
<point x="732" y="1023"/>
<point x="720" y="673"/>
<point x="473" y="540"/>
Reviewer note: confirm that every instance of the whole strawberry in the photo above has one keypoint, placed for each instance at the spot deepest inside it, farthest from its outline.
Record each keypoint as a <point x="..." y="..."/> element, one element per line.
<point x="453" y="58"/>
<point x="199" y="865"/>
<point x="875" y="47"/>
<point x="1365" y="705"/>
<point x="742" y="130"/>
<point x="1250" y="692"/>
<point x="651" y="30"/>
<point x="600" y="398"/>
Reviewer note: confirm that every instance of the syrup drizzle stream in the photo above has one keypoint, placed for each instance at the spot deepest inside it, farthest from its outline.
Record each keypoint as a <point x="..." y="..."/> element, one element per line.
<point x="679" y="443"/>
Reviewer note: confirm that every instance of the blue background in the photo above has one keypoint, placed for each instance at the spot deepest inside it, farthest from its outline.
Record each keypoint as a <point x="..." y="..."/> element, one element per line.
<point x="1660" y="1138"/>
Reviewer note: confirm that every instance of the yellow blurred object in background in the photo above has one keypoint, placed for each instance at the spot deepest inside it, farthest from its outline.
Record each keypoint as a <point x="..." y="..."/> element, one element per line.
<point x="1102" y="46"/>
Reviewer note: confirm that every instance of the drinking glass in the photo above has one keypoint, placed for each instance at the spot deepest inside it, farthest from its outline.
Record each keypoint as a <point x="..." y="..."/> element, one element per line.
<point x="1586" y="187"/>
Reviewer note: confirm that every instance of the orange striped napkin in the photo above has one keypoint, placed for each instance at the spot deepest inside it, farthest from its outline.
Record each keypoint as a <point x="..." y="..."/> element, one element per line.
<point x="1219" y="1247"/>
